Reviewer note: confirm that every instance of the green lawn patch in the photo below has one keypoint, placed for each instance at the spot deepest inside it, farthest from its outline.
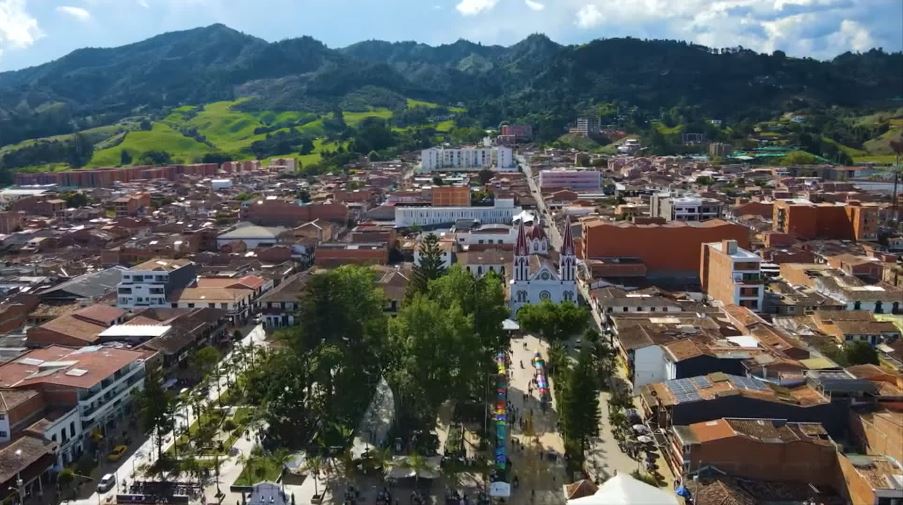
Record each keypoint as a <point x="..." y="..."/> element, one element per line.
<point x="878" y="159"/>
<point x="242" y="416"/>
<point x="667" y="130"/>
<point x="413" y="103"/>
<point x="445" y="126"/>
<point x="160" y="137"/>
<point x="355" y="118"/>
<point x="259" y="469"/>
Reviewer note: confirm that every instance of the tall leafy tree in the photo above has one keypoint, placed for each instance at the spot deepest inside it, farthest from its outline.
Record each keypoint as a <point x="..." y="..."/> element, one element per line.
<point x="433" y="349"/>
<point x="156" y="405"/>
<point x="580" y="399"/>
<point x="430" y="265"/>
<point x="484" y="300"/>
<point x="554" y="321"/>
<point x="335" y="356"/>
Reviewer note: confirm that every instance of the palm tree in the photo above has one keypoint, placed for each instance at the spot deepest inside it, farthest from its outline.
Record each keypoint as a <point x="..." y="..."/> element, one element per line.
<point x="192" y="467"/>
<point x="282" y="456"/>
<point x="314" y="465"/>
<point x="380" y="457"/>
<point x="417" y="463"/>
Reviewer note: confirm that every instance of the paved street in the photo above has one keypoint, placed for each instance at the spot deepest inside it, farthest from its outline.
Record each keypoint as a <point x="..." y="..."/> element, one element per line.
<point x="604" y="458"/>
<point x="147" y="452"/>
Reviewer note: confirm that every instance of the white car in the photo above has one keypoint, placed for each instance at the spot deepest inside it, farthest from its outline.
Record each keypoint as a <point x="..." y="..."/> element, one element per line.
<point x="106" y="483"/>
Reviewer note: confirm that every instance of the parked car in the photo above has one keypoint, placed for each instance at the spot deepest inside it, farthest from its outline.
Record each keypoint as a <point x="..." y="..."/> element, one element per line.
<point x="117" y="453"/>
<point x="106" y="482"/>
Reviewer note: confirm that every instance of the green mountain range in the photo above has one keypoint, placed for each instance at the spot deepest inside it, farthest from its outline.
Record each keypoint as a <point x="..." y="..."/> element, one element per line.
<point x="103" y="92"/>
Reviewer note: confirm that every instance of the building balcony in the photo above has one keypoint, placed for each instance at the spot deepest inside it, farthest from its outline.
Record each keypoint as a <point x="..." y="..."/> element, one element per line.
<point x="753" y="279"/>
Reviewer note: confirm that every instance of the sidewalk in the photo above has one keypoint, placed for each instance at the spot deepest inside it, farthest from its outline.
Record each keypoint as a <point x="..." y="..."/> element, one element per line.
<point x="147" y="451"/>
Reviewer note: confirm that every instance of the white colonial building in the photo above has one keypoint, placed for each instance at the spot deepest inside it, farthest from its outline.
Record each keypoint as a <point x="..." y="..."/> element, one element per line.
<point x="534" y="275"/>
<point x="503" y="211"/>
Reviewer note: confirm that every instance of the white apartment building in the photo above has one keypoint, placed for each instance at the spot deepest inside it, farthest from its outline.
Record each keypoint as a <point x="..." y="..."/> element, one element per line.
<point x="487" y="234"/>
<point x="151" y="284"/>
<point x="575" y="179"/>
<point x="732" y="275"/>
<point x="685" y="208"/>
<point x="467" y="158"/>
<point x="503" y="211"/>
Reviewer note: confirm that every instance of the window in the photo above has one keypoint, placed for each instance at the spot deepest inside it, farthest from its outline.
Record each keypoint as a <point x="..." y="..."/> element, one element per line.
<point x="2" y="417"/>
<point x="3" y="434"/>
<point x="72" y="429"/>
<point x="211" y="305"/>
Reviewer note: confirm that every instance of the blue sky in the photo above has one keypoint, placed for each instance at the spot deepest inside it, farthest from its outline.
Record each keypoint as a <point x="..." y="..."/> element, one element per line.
<point x="36" y="31"/>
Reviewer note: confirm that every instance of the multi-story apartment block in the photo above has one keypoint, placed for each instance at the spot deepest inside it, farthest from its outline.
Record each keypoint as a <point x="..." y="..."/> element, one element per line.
<point x="731" y="274"/>
<point x="132" y="205"/>
<point x="670" y="250"/>
<point x="514" y="133"/>
<point x="152" y="283"/>
<point x="467" y="158"/>
<point x="839" y="221"/>
<point x="684" y="208"/>
<point x="87" y="388"/>
<point x="576" y="179"/>
<point x="586" y="126"/>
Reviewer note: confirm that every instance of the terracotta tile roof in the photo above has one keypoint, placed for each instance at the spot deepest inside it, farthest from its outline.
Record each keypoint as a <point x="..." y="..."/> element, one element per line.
<point x="11" y="398"/>
<point x="162" y="265"/>
<point x="78" y="368"/>
<point x="100" y="313"/>
<point x="680" y="350"/>
<point x="74" y="327"/>
<point x="246" y="282"/>
<point x="21" y="453"/>
<point x="142" y="321"/>
<point x="212" y="294"/>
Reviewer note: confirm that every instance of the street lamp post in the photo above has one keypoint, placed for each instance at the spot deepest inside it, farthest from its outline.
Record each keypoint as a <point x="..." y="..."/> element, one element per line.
<point x="20" y="484"/>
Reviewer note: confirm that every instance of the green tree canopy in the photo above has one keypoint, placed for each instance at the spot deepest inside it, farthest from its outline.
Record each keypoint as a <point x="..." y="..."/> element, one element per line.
<point x="156" y="405"/>
<point x="554" y="321"/>
<point x="580" y="399"/>
<point x="429" y="266"/>
<point x="860" y="353"/>
<point x="433" y="350"/>
<point x="155" y="157"/>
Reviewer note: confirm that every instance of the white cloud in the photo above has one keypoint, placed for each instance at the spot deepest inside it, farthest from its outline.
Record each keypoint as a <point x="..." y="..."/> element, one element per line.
<point x="474" y="7"/>
<point x="143" y="3"/>
<point x="78" y="13"/>
<point x="18" y="29"/>
<point x="534" y="5"/>
<point x="589" y="16"/>
<point x="853" y="35"/>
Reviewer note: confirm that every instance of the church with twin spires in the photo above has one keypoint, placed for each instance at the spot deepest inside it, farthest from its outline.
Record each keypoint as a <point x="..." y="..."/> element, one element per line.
<point x="535" y="275"/>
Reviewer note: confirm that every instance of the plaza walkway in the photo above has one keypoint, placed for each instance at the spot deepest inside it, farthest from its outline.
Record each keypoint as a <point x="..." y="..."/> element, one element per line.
<point x="540" y="441"/>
